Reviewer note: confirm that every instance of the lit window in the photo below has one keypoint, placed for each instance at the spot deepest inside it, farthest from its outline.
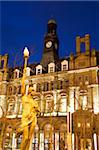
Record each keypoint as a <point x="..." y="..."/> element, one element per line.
<point x="39" y="88"/>
<point x="11" y="108"/>
<point x="88" y="125"/>
<point x="46" y="86"/>
<point x="49" y="104"/>
<point x="64" y="67"/>
<point x="52" y="85"/>
<point x="35" y="144"/>
<point x="39" y="71"/>
<point x="48" y="131"/>
<point x="51" y="69"/>
<point x="19" y="141"/>
<point x="62" y="107"/>
<point x="16" y="73"/>
<point x="84" y="102"/>
<point x="79" y="125"/>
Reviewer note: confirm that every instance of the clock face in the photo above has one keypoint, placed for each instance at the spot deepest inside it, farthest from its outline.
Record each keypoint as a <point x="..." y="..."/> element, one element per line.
<point x="48" y="44"/>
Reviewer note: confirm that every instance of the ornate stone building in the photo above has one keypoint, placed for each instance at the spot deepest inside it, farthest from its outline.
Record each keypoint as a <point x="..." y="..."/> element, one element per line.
<point x="68" y="96"/>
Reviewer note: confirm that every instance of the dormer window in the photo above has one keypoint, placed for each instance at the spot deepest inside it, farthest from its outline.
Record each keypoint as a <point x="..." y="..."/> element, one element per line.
<point x="51" y="67"/>
<point x="16" y="73"/>
<point x="39" y="69"/>
<point x="64" y="65"/>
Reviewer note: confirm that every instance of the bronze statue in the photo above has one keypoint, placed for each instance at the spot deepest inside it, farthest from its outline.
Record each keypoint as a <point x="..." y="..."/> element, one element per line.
<point x="29" y="116"/>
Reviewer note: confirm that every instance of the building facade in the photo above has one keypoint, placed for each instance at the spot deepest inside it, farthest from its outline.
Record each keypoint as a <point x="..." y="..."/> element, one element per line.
<point x="67" y="93"/>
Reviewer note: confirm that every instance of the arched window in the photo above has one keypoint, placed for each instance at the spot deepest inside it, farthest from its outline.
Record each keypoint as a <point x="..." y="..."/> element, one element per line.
<point x="48" y="137"/>
<point x="11" y="106"/>
<point x="35" y="143"/>
<point x="45" y="86"/>
<point x="62" y="105"/>
<point x="19" y="140"/>
<point x="63" y="136"/>
<point x="52" y="85"/>
<point x="49" y="103"/>
<point x="83" y="99"/>
<point x="7" y="137"/>
<point x="39" y="87"/>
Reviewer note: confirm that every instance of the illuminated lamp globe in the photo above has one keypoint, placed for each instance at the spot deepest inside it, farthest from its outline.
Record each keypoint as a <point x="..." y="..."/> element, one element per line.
<point x="26" y="52"/>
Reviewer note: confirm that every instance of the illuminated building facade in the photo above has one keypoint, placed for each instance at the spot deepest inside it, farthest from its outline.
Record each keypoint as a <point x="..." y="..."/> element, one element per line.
<point x="68" y="96"/>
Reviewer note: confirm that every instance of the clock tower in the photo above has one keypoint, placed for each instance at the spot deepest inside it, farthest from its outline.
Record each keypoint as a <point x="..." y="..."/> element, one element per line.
<point x="51" y="44"/>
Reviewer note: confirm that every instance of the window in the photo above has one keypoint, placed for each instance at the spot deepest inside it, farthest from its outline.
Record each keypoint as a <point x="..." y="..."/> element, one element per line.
<point x="19" y="141"/>
<point x="86" y="79"/>
<point x="64" y="67"/>
<point x="60" y="84"/>
<point x="11" y="108"/>
<point x="45" y="86"/>
<point x="49" y="104"/>
<point x="35" y="143"/>
<point x="38" y="87"/>
<point x="52" y="85"/>
<point x="16" y="73"/>
<point x="8" y="137"/>
<point x="63" y="136"/>
<point x="39" y="69"/>
<point x="48" y="132"/>
<point x="84" y="102"/>
<point x="62" y="104"/>
<point x="51" y="69"/>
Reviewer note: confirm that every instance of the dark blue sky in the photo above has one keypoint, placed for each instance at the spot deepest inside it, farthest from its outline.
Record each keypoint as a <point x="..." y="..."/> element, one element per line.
<point x="25" y="23"/>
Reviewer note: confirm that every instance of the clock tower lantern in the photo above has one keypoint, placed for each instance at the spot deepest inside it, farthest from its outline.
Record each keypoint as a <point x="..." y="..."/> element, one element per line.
<point x="51" y="44"/>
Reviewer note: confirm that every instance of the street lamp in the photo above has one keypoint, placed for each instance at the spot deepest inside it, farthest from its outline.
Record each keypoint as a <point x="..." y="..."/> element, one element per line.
<point x="26" y="55"/>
